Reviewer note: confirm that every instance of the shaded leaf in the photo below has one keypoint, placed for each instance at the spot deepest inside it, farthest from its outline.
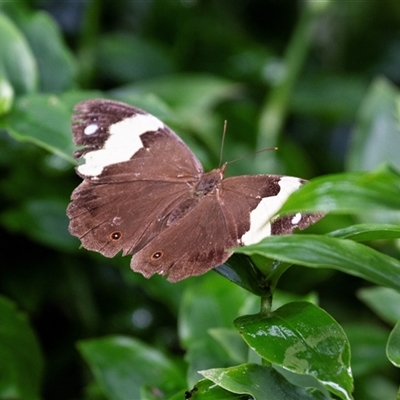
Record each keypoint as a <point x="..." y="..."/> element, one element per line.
<point x="376" y="138"/>
<point x="126" y="58"/>
<point x="261" y="382"/>
<point x="44" y="220"/>
<point x="190" y="93"/>
<point x="383" y="301"/>
<point x="330" y="96"/>
<point x="242" y="271"/>
<point x="210" y="302"/>
<point x="21" y="367"/>
<point x="123" y="365"/>
<point x="193" y="98"/>
<point x="233" y="344"/>
<point x="367" y="343"/>
<point x="208" y="390"/>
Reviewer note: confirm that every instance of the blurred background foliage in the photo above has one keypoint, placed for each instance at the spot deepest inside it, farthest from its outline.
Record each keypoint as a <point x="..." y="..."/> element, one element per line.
<point x="318" y="79"/>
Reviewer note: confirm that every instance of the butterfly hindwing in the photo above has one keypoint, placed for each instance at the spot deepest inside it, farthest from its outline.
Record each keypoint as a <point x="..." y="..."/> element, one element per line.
<point x="205" y="236"/>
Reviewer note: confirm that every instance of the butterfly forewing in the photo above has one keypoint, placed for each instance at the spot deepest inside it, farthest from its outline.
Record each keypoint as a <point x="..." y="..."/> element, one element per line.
<point x="131" y="197"/>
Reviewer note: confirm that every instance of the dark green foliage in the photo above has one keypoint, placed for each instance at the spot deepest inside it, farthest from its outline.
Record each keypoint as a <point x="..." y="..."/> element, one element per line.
<point x="293" y="317"/>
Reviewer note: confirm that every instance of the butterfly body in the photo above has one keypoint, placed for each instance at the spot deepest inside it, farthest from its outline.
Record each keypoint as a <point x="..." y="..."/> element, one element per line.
<point x="145" y="193"/>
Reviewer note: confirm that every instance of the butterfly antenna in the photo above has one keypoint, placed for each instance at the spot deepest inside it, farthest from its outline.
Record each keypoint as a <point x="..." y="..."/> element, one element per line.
<point x="252" y="154"/>
<point x="222" y="143"/>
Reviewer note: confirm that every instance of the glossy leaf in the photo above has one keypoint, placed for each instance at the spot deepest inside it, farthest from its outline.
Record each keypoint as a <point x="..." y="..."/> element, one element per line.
<point x="21" y="366"/>
<point x="260" y="382"/>
<point x="348" y="193"/>
<point x="393" y="346"/>
<point x="17" y="63"/>
<point x="304" y="339"/>
<point x="376" y="138"/>
<point x="122" y="365"/>
<point x="383" y="301"/>
<point x="327" y="252"/>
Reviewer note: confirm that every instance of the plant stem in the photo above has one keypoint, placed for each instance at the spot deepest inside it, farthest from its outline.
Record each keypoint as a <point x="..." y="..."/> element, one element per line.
<point x="87" y="41"/>
<point x="275" y="107"/>
<point x="266" y="303"/>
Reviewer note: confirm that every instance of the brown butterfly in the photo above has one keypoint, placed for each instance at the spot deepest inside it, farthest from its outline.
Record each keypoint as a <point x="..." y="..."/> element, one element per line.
<point x="144" y="192"/>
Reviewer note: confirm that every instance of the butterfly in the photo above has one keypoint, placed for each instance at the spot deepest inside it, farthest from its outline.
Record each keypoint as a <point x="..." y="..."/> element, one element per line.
<point x="145" y="193"/>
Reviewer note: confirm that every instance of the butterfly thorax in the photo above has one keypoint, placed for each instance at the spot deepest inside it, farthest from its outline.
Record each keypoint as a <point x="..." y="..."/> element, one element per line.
<point x="209" y="182"/>
<point x="206" y="185"/>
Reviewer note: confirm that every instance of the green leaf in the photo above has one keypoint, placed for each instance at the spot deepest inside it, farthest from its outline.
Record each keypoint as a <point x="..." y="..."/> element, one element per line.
<point x="366" y="232"/>
<point x="44" y="120"/>
<point x="304" y="339"/>
<point x="6" y="95"/>
<point x="367" y="342"/>
<point x="376" y="138"/>
<point x="229" y="340"/>
<point x="383" y="301"/>
<point x="326" y="252"/>
<point x="21" y="366"/>
<point x="122" y="365"/>
<point x="126" y="58"/>
<point x="393" y="346"/>
<point x="261" y="382"/>
<point x="17" y="63"/>
<point x="55" y="62"/>
<point x="304" y="381"/>
<point x="188" y="93"/>
<point x="192" y="97"/>
<point x="187" y="103"/>
<point x="336" y="97"/>
<point x="210" y="302"/>
<point x="348" y="193"/>
<point x="44" y="220"/>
